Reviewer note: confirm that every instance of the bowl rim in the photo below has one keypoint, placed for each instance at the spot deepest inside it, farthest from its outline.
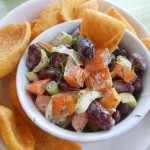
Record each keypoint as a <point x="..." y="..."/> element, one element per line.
<point x="83" y="137"/>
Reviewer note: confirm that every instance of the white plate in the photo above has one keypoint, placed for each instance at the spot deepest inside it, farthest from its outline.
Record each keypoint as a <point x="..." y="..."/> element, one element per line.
<point x="136" y="138"/>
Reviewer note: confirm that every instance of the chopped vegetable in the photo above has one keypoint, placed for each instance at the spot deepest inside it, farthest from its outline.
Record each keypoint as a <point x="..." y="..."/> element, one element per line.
<point x="42" y="102"/>
<point x="110" y="100"/>
<point x="128" y="98"/>
<point x="74" y="75"/>
<point x="62" y="39"/>
<point x="99" y="81"/>
<point x="124" y="61"/>
<point x="99" y="62"/>
<point x="31" y="76"/>
<point x="52" y="88"/>
<point x="86" y="96"/>
<point x="73" y="54"/>
<point x="124" y="72"/>
<point x="79" y="121"/>
<point x="37" y="87"/>
<point x="63" y="104"/>
<point x="48" y="111"/>
<point x="43" y="62"/>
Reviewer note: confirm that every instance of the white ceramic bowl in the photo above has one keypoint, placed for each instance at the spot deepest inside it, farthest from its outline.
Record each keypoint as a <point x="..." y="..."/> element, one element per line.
<point x="129" y="42"/>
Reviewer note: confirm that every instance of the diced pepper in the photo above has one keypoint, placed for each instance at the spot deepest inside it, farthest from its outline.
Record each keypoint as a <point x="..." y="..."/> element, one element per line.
<point x="37" y="87"/>
<point x="110" y="100"/>
<point x="63" y="104"/>
<point x="74" y="75"/>
<point x="124" y="72"/>
<point x="79" y="121"/>
<point x="99" y="62"/>
<point x="99" y="81"/>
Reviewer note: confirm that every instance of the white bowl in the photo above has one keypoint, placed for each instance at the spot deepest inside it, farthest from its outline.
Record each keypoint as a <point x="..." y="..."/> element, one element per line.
<point x="129" y="42"/>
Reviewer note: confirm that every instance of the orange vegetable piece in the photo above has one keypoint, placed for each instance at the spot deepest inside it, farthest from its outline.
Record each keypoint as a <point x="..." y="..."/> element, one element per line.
<point x="48" y="46"/>
<point x="110" y="100"/>
<point x="63" y="104"/>
<point x="99" y="61"/>
<point x="124" y="72"/>
<point x="99" y="81"/>
<point x="37" y="87"/>
<point x="74" y="75"/>
<point x="79" y="121"/>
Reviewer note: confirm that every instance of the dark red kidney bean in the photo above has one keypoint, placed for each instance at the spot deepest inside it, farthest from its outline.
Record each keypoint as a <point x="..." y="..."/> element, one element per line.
<point x="138" y="62"/>
<point x="122" y="86"/>
<point x="57" y="58"/>
<point x="85" y="48"/>
<point x="138" y="83"/>
<point x="122" y="52"/>
<point x="64" y="86"/>
<point x="76" y="33"/>
<point x="116" y="116"/>
<point x="49" y="73"/>
<point x="34" y="56"/>
<point x="100" y="116"/>
<point x="124" y="108"/>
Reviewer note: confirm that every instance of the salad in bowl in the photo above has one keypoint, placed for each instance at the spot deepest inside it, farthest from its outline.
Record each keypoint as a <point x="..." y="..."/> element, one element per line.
<point x="69" y="80"/>
<point x="81" y="87"/>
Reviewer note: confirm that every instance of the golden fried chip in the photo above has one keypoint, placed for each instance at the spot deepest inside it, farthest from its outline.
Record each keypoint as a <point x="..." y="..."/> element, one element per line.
<point x="69" y="8"/>
<point x="15" y="101"/>
<point x="91" y="4"/>
<point x="146" y="41"/>
<point x="49" y="17"/>
<point x="113" y="12"/>
<point x="32" y="24"/>
<point x="45" y="141"/>
<point x="13" y="41"/>
<point x="103" y="30"/>
<point x="15" y="132"/>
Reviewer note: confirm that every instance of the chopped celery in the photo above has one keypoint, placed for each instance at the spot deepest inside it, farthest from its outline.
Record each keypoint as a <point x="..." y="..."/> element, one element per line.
<point x="73" y="54"/>
<point x="43" y="62"/>
<point x="31" y="76"/>
<point x="62" y="39"/>
<point x="52" y="88"/>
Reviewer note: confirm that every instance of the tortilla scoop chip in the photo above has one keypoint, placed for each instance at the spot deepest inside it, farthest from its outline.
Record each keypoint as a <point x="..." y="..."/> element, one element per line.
<point x="146" y="42"/>
<point x="113" y="12"/>
<point x="69" y="8"/>
<point x="103" y="30"/>
<point x="32" y="24"/>
<point x="15" y="100"/>
<point x="15" y="132"/>
<point x="91" y="4"/>
<point x="14" y="39"/>
<point x="45" y="141"/>
<point x="49" y="17"/>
